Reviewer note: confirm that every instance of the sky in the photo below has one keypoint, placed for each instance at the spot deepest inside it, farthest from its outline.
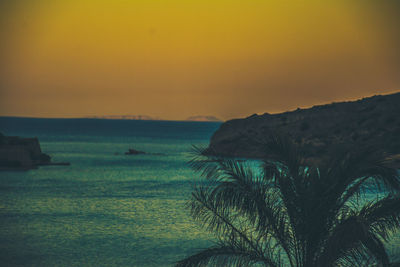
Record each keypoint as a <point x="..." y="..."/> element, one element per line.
<point x="173" y="59"/>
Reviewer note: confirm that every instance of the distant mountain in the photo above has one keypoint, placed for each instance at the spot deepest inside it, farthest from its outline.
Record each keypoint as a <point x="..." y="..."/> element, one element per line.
<point x="203" y="118"/>
<point x="125" y="117"/>
<point x="372" y="121"/>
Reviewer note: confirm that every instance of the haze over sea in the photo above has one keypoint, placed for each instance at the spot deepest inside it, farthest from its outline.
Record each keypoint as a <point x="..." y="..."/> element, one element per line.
<point x="107" y="208"/>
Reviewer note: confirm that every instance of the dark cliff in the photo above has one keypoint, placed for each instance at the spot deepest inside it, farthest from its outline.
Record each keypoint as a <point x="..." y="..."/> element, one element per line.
<point x="18" y="153"/>
<point x="373" y="121"/>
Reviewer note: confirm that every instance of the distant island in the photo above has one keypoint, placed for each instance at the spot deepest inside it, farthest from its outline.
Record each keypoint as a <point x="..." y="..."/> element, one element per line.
<point x="372" y="121"/>
<point x="199" y="118"/>
<point x="18" y="153"/>
<point x="203" y="118"/>
<point x="125" y="117"/>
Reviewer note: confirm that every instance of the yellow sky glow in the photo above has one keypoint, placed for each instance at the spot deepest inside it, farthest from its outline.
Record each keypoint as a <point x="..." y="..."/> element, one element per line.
<point x="173" y="59"/>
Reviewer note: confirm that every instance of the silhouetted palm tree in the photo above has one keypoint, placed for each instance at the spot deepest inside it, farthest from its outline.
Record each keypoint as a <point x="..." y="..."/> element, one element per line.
<point x="291" y="213"/>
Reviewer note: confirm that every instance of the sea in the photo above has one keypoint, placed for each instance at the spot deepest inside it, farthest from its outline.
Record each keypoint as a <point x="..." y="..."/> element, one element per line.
<point x="106" y="208"/>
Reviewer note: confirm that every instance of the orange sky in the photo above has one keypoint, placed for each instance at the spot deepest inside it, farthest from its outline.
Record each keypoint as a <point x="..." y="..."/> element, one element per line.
<point x="177" y="58"/>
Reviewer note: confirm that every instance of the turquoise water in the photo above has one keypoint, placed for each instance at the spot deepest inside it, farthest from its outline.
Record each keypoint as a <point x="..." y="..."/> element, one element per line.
<point x="106" y="209"/>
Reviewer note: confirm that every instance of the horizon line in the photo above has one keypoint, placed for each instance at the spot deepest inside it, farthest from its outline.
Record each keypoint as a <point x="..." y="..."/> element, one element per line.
<point x="94" y="118"/>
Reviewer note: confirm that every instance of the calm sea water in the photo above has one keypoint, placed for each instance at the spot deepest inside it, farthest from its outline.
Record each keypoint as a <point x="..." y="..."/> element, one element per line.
<point x="107" y="208"/>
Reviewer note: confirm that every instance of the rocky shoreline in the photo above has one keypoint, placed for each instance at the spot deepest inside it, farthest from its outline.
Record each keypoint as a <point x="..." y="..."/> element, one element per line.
<point x="18" y="153"/>
<point x="369" y="122"/>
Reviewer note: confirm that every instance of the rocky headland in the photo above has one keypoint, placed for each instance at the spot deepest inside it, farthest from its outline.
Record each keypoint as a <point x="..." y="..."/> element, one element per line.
<point x="369" y="122"/>
<point x="18" y="153"/>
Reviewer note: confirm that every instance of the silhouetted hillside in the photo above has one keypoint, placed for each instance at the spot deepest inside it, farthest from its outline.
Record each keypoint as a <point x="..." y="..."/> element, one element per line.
<point x="372" y="121"/>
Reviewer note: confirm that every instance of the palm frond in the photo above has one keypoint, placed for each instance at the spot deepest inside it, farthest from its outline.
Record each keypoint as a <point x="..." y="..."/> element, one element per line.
<point x="350" y="172"/>
<point x="281" y="149"/>
<point x="383" y="216"/>
<point x="377" y="249"/>
<point x="250" y="195"/>
<point x="205" y="163"/>
<point x="358" y="236"/>
<point x="220" y="256"/>
<point x="231" y="229"/>
<point x="292" y="212"/>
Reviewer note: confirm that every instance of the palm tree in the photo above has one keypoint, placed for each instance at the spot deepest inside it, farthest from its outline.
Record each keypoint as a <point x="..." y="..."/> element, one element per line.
<point x="291" y="213"/>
